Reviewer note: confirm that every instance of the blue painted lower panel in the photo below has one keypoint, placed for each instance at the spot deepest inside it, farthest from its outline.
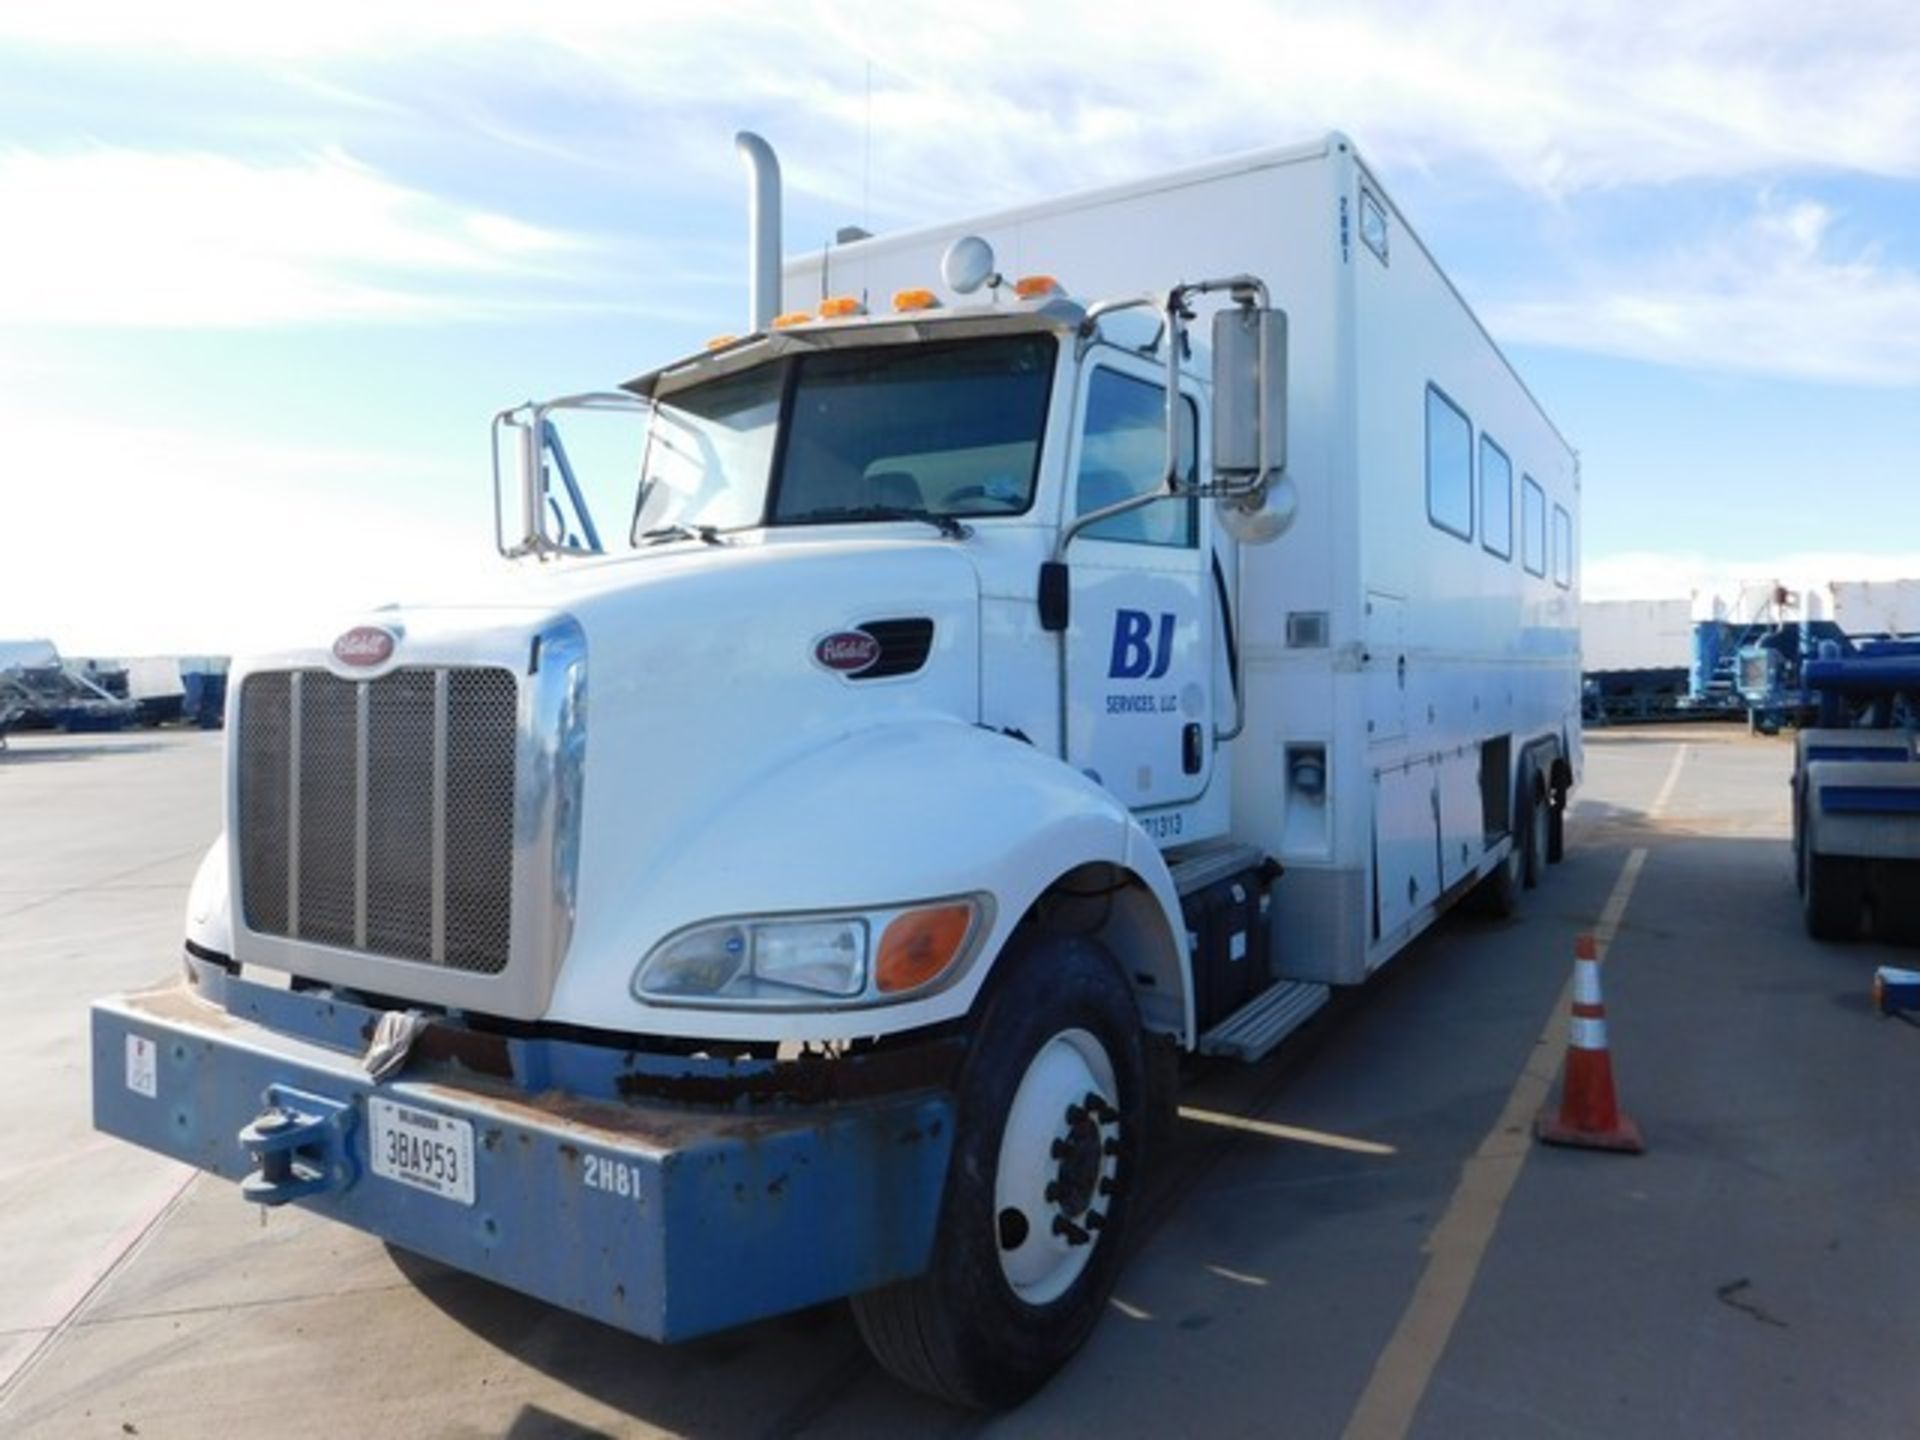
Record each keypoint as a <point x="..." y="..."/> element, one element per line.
<point x="669" y="1221"/>
<point x="1870" y="800"/>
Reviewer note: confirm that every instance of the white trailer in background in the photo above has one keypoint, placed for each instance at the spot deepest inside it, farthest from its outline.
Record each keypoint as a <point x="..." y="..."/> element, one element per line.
<point x="1637" y="656"/>
<point x="1624" y="635"/>
<point x="1876" y="607"/>
<point x="997" y="690"/>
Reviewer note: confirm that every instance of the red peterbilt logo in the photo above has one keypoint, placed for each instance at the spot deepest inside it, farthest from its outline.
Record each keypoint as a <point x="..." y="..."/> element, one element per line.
<point x="364" y="645"/>
<point x="847" y="651"/>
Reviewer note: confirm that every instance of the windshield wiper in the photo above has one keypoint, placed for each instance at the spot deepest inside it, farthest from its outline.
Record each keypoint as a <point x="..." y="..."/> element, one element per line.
<point x="945" y="524"/>
<point x="705" y="534"/>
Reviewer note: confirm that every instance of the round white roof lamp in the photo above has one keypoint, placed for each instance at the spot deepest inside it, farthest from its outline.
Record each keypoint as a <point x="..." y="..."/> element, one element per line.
<point x="967" y="265"/>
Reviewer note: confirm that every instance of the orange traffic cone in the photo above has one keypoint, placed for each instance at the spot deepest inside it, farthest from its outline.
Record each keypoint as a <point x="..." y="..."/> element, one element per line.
<point x="1589" y="1114"/>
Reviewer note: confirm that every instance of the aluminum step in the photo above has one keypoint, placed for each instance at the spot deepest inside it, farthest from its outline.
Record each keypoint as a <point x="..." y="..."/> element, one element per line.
<point x="1198" y="867"/>
<point x="1254" y="1030"/>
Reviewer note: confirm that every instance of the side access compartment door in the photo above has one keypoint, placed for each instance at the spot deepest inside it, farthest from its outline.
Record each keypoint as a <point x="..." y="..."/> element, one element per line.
<point x="1140" y="708"/>
<point x="1386" y="667"/>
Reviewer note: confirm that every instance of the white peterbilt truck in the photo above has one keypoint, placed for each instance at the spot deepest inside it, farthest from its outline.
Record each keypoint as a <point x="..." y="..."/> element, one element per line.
<point x="1064" y="639"/>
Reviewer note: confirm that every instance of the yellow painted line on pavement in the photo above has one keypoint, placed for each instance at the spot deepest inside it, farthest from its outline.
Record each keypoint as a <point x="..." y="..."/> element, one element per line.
<point x="1275" y="1131"/>
<point x="1459" y="1242"/>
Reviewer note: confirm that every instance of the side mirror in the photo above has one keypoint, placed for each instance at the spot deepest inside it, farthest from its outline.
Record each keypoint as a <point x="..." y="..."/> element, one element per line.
<point x="1249" y="397"/>
<point x="516" y="473"/>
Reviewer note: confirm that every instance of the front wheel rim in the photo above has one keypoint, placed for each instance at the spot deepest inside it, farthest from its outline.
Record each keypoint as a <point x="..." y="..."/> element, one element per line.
<point x="1058" y="1173"/>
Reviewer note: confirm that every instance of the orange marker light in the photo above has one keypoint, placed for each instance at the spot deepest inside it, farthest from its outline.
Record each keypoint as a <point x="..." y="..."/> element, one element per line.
<point x="720" y="342"/>
<point x="906" y="300"/>
<point x="920" y="945"/>
<point x="1034" y="287"/>
<point x="841" y="306"/>
<point x="791" y="319"/>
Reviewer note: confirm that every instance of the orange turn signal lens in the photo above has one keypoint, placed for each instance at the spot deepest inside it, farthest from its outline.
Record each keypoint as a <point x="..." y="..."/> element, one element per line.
<point x="720" y="342"/>
<point x="905" y="300"/>
<point x="841" y="306"/>
<point x="919" y="946"/>
<point x="1033" y="287"/>
<point x="791" y="319"/>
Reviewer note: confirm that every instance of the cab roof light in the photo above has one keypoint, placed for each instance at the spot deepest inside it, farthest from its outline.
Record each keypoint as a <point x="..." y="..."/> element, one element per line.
<point x="907" y="301"/>
<point x="792" y="318"/>
<point x="720" y="342"/>
<point x="1037" y="287"/>
<point x="841" y="307"/>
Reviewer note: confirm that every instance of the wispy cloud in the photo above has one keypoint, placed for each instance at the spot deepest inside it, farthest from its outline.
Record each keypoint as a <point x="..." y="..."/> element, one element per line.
<point x="123" y="237"/>
<point x="1559" y="96"/>
<point x="1774" y="295"/>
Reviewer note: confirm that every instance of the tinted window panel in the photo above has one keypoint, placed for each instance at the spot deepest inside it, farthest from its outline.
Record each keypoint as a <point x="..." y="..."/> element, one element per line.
<point x="1496" y="499"/>
<point x="1449" y="466"/>
<point x="1533" y="526"/>
<point x="1123" y="453"/>
<point x="1562" y="547"/>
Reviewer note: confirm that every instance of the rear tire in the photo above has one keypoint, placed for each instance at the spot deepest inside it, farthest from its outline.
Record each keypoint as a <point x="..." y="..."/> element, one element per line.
<point x="1836" y="891"/>
<point x="1497" y="896"/>
<point x="1535" y="835"/>
<point x="1051" y="1115"/>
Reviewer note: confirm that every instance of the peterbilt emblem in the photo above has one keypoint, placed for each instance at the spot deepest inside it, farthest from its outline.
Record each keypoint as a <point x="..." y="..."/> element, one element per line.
<point x="847" y="652"/>
<point x="364" y="646"/>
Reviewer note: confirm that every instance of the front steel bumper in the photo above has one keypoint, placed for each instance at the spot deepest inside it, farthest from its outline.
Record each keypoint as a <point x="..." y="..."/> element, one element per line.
<point x="745" y="1188"/>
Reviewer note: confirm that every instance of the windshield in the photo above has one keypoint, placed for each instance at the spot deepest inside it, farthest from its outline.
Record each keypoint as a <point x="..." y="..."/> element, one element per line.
<point x="939" y="430"/>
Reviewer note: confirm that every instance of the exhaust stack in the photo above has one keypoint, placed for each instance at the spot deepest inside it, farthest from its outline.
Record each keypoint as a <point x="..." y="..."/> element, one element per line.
<point x="763" y="225"/>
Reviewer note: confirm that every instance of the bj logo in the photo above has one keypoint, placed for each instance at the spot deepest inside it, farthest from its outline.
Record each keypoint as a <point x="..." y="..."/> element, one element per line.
<point x="1138" y="654"/>
<point x="364" y="645"/>
<point x="847" y="652"/>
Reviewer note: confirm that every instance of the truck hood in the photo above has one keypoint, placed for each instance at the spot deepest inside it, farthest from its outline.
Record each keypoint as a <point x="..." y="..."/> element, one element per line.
<point x="708" y="669"/>
<point x="712" y="669"/>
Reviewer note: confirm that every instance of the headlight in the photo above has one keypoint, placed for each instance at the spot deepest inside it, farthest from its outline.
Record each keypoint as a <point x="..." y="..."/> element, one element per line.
<point x="806" y="960"/>
<point x="760" y="960"/>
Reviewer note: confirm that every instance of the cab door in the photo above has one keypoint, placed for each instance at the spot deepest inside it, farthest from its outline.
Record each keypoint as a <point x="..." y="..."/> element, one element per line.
<point x="1140" y="708"/>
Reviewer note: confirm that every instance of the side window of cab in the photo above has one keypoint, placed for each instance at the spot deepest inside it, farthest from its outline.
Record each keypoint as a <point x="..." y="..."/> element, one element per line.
<point x="1123" y="453"/>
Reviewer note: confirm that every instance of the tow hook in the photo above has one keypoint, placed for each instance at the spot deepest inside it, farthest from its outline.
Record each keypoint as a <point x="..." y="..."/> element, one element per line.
<point x="299" y="1145"/>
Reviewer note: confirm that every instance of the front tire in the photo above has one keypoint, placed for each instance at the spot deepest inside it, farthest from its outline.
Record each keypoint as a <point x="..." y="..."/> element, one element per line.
<point x="1051" y="1113"/>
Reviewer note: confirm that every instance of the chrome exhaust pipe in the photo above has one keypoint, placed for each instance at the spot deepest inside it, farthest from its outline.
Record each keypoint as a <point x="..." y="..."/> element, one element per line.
<point x="763" y="226"/>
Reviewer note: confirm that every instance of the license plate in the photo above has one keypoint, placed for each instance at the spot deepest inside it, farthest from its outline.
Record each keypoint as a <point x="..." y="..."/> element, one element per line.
<point x="419" y="1148"/>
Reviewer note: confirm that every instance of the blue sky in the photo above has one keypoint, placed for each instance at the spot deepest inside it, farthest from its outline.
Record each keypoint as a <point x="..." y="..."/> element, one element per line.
<point x="264" y="276"/>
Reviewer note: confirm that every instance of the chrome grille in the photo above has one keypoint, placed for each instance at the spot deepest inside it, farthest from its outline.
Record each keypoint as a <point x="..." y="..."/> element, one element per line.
<point x="377" y="815"/>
